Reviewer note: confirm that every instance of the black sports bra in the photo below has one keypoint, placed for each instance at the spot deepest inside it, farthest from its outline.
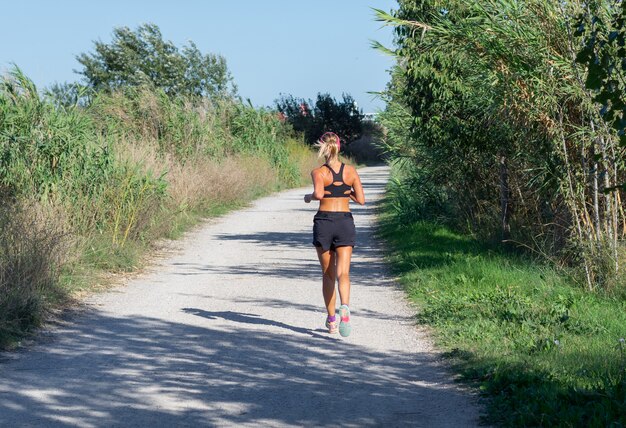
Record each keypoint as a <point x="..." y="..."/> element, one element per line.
<point x="337" y="190"/>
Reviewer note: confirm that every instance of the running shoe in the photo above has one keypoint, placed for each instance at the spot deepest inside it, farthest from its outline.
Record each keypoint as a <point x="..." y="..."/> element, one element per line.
<point x="331" y="326"/>
<point x="344" y="326"/>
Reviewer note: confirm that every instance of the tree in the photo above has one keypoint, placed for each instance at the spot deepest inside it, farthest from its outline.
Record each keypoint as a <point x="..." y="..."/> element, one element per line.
<point x="141" y="57"/>
<point x="341" y="117"/>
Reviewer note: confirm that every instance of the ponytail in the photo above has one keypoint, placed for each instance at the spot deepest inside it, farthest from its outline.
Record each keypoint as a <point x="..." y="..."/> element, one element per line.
<point x="328" y="145"/>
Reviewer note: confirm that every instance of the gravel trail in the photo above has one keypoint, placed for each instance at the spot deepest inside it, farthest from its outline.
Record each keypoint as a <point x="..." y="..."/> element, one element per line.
<point x="228" y="330"/>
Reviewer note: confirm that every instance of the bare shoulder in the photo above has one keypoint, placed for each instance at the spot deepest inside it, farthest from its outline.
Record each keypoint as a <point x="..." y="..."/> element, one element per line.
<point x="319" y="174"/>
<point x="317" y="171"/>
<point x="351" y="171"/>
<point x="350" y="174"/>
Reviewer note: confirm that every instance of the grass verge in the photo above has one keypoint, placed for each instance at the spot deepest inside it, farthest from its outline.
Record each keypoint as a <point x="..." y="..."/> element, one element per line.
<point x="44" y="265"/>
<point x="543" y="352"/>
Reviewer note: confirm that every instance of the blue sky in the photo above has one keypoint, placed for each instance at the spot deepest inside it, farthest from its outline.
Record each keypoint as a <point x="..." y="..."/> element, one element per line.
<point x="271" y="47"/>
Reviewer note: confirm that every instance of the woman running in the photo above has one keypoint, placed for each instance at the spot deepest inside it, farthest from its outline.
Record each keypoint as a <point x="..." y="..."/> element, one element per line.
<point x="334" y="185"/>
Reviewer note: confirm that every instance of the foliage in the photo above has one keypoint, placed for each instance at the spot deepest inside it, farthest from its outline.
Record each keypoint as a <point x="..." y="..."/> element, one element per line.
<point x="603" y="27"/>
<point x="142" y="57"/>
<point x="44" y="149"/>
<point x="260" y="131"/>
<point x="544" y="353"/>
<point x="117" y="173"/>
<point x="489" y="112"/>
<point x="69" y="153"/>
<point x="69" y="94"/>
<point x="341" y="117"/>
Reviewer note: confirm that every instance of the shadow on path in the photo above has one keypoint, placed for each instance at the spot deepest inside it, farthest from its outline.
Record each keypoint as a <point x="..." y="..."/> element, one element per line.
<point x="250" y="319"/>
<point x="109" y="371"/>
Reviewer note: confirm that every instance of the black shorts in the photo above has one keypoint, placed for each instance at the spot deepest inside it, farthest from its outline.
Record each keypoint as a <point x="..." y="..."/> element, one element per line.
<point x="333" y="229"/>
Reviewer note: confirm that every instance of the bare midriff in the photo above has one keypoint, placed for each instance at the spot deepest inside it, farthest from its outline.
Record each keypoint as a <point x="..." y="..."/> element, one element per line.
<point x="335" y="204"/>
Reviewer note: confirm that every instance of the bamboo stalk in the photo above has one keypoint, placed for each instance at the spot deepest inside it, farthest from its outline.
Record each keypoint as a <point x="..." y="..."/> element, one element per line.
<point x="572" y="199"/>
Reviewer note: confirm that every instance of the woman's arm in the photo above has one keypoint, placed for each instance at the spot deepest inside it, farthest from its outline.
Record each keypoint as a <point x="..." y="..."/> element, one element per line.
<point x="357" y="194"/>
<point x="318" y="187"/>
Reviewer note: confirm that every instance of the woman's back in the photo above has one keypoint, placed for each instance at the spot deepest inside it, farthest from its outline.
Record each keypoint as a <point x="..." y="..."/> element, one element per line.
<point x="338" y="180"/>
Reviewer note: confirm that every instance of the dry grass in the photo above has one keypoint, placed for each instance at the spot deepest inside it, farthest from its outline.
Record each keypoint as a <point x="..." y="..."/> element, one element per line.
<point x="201" y="186"/>
<point x="201" y="182"/>
<point x="204" y="182"/>
<point x="131" y="168"/>
<point x="305" y="158"/>
<point x="34" y="244"/>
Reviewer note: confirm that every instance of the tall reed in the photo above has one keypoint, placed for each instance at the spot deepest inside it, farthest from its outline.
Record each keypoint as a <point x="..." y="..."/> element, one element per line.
<point x="126" y="169"/>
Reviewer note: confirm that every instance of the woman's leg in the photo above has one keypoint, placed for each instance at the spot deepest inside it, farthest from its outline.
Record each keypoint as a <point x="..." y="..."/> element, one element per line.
<point x="344" y="256"/>
<point x="328" y="261"/>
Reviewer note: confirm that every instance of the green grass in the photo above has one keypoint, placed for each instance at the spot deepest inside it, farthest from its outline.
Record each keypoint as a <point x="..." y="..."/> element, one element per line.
<point x="543" y="351"/>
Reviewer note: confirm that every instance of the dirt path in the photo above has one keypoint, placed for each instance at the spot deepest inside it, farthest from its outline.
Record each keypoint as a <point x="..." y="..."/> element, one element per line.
<point x="229" y="331"/>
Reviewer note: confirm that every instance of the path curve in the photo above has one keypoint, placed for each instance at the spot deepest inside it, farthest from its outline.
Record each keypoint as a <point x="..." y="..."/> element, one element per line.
<point x="229" y="331"/>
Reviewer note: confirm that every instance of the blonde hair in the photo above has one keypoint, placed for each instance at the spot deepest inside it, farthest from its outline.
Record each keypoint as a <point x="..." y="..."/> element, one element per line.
<point x="328" y="145"/>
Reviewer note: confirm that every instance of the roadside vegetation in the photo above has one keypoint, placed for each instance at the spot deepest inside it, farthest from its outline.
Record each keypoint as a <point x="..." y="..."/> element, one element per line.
<point x="93" y="173"/>
<point x="505" y="125"/>
<point x="505" y="132"/>
<point x="543" y="351"/>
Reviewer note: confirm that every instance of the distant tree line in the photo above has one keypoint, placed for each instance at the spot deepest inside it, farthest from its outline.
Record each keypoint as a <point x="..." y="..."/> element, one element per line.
<point x="313" y="118"/>
<point x="142" y="58"/>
